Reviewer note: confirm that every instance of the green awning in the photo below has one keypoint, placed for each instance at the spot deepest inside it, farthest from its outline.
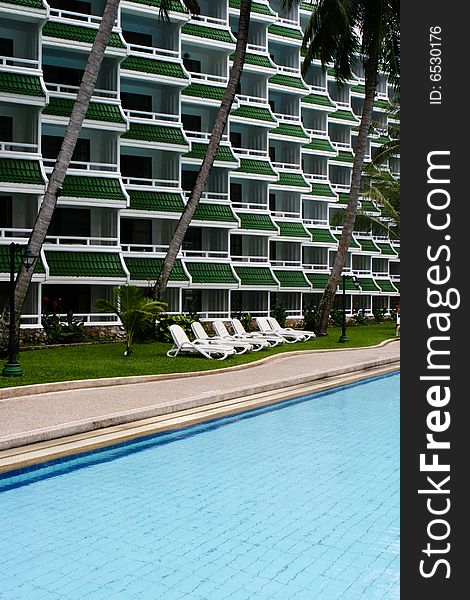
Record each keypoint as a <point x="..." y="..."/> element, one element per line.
<point x="382" y="104"/>
<point x="286" y="32"/>
<point x="175" y="5"/>
<point x="397" y="285"/>
<point x="220" y="273"/>
<point x="295" y="131"/>
<point x="255" y="113"/>
<point x="344" y="115"/>
<point x="153" y="67"/>
<point x="256" y="222"/>
<point x="352" y="241"/>
<point x="257" y="167"/>
<point x="256" y="276"/>
<point x="318" y="100"/>
<point x="214" y="212"/>
<point x="76" y="33"/>
<point x="149" y="269"/>
<point x="369" y="206"/>
<point x="292" y="279"/>
<point x="198" y="90"/>
<point x="23" y="85"/>
<point x="223" y="154"/>
<point x="102" y="188"/>
<point x="257" y="60"/>
<point x="320" y="145"/>
<point x="5" y="260"/>
<point x="358" y="89"/>
<point x="288" y="81"/>
<point x="155" y="133"/>
<point x="344" y="156"/>
<point x="386" y="286"/>
<point x="292" y="180"/>
<point x="291" y="229"/>
<point x="318" y="280"/>
<point x="368" y="284"/>
<point x="322" y="190"/>
<point x="256" y="7"/>
<point x="368" y="246"/>
<point x="28" y="3"/>
<point x="156" y="201"/>
<point x="343" y="198"/>
<point x="84" y="264"/>
<point x="322" y="236"/>
<point x="386" y="248"/>
<point x="97" y="111"/>
<point x="15" y="170"/>
<point x="211" y="33"/>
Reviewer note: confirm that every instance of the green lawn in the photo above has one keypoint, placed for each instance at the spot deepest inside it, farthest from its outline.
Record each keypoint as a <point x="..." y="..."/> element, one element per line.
<point x="106" y="360"/>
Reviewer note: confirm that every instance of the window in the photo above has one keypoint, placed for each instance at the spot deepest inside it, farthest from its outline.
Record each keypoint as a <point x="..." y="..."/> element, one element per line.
<point x="236" y="245"/>
<point x="188" y="179"/>
<point x="272" y="202"/>
<point x="6" y="47"/>
<point x="6" y="129"/>
<point x="236" y="192"/>
<point x="193" y="239"/>
<point x="194" y="66"/>
<point x="62" y="75"/>
<point x="70" y="221"/>
<point x="191" y="122"/>
<point x="136" y="101"/>
<point x="236" y="139"/>
<point x="51" y="146"/>
<point x="76" y="6"/>
<point x="141" y="39"/>
<point x="136" y="231"/>
<point x="6" y="206"/>
<point x="272" y="153"/>
<point x="136" y="166"/>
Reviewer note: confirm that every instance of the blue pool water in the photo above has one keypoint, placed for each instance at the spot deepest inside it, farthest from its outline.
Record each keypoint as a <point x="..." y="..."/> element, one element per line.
<point x="300" y="502"/>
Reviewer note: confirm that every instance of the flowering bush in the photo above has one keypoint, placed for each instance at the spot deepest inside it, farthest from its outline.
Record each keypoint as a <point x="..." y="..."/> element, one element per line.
<point x="60" y="330"/>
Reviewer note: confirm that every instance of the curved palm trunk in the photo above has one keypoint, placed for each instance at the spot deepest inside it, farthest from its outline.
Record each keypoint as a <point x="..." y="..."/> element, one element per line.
<point x="327" y="300"/>
<point x="56" y="180"/>
<point x="216" y="136"/>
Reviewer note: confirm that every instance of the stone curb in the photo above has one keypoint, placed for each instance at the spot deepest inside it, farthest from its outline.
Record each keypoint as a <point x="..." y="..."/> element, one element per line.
<point x="62" y="386"/>
<point x="129" y="416"/>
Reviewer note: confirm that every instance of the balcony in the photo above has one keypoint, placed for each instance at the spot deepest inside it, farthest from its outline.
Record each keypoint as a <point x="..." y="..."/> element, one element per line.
<point x="202" y="136"/>
<point x="69" y="240"/>
<point x="18" y="148"/>
<point x="81" y="166"/>
<point x="140" y="116"/>
<point x="222" y="197"/>
<point x="12" y="233"/>
<point x="150" y="184"/>
<point x="18" y="65"/>
<point x="314" y="89"/>
<point x="250" y="152"/>
<point x="286" y="21"/>
<point x="71" y="91"/>
<point x="315" y="177"/>
<point x="284" y="166"/>
<point x="151" y="52"/>
<point x="342" y="146"/>
<point x="322" y="268"/>
<point x="207" y="78"/>
<point x="212" y="254"/>
<point x="251" y="99"/>
<point x="283" y="70"/>
<point x="287" y="118"/>
<point x="286" y="263"/>
<point x="250" y="259"/>
<point x="200" y="19"/>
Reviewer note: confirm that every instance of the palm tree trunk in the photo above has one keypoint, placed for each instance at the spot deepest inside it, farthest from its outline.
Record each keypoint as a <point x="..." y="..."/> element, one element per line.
<point x="56" y="180"/>
<point x="216" y="136"/>
<point x="327" y="300"/>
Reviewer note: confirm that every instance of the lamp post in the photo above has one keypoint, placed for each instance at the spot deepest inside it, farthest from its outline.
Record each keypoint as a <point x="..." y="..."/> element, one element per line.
<point x="344" y="338"/>
<point x="13" y="367"/>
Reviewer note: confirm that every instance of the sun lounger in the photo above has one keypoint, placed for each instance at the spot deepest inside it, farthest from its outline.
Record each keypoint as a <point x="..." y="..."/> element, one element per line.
<point x="265" y="328"/>
<point x="240" y="346"/>
<point x="265" y="341"/>
<point x="222" y="332"/>
<point x="182" y="344"/>
<point x="305" y="335"/>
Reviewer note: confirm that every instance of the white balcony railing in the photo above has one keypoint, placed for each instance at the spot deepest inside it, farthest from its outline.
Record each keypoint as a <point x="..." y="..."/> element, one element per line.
<point x="205" y="254"/>
<point x="208" y="77"/>
<point x="283" y="117"/>
<point x="287" y="21"/>
<point x="251" y="99"/>
<point x="68" y="15"/>
<point x="14" y="232"/>
<point x="14" y="62"/>
<point x="283" y="166"/>
<point x="84" y="166"/>
<point x="342" y="104"/>
<point x="315" y="177"/>
<point x="286" y="263"/>
<point x="250" y="205"/>
<point x="380" y="274"/>
<point x="317" y="132"/>
<point x="316" y="267"/>
<point x="255" y="48"/>
<point x="341" y="145"/>
<point x="88" y="318"/>
<point x="317" y="88"/>
<point x="282" y="69"/>
<point x="72" y="90"/>
<point x="362" y="272"/>
<point x="250" y="259"/>
<point x="203" y="136"/>
<point x="18" y="147"/>
<point x="209" y="196"/>
<point x="150" y="248"/>
<point x="150" y="183"/>
<point x="283" y="213"/>
<point x="153" y="52"/>
<point x="81" y="240"/>
<point x="315" y="221"/>
<point x="209" y="20"/>
<point x="340" y="187"/>
<point x="250" y="152"/>
<point x="140" y="115"/>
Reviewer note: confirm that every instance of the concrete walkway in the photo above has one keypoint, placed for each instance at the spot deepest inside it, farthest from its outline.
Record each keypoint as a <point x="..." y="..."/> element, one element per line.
<point x="43" y="416"/>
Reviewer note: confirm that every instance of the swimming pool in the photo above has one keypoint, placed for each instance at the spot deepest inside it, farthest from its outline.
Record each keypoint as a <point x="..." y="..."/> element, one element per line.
<point x="295" y="502"/>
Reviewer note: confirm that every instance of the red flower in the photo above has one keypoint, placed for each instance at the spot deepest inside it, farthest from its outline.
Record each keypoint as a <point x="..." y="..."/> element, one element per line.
<point x="45" y="299"/>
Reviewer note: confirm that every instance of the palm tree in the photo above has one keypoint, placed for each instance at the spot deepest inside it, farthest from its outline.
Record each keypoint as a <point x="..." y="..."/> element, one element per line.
<point x="85" y="92"/>
<point x="216" y="136"/>
<point x="338" y="33"/>
<point x="133" y="308"/>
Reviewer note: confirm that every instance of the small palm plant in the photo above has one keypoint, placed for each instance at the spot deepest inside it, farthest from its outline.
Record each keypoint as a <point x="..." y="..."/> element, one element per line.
<point x="133" y="308"/>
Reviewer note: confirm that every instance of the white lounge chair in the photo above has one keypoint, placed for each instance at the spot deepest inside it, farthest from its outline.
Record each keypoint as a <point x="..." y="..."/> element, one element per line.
<point x="221" y="331"/>
<point x="239" y="346"/>
<point x="266" y="329"/>
<point x="257" y="338"/>
<point x="306" y="335"/>
<point x="182" y="344"/>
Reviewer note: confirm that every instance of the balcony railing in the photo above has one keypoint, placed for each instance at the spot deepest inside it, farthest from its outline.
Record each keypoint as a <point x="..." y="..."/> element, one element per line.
<point x="209" y="20"/>
<point x="140" y="115"/>
<point x="287" y="21"/>
<point x="222" y="254"/>
<point x="317" y="88"/>
<point x="150" y="248"/>
<point x="19" y="147"/>
<point x="209" y="196"/>
<point x="283" y="166"/>
<point x="84" y="166"/>
<point x="72" y="90"/>
<point x="150" y="183"/>
<point x="316" y="267"/>
<point x="282" y="69"/>
<point x="315" y="221"/>
<point x="317" y="132"/>
<point x="208" y="77"/>
<point x="250" y="259"/>
<point x="314" y="177"/>
<point x="81" y="240"/>
<point x="341" y="145"/>
<point x="340" y="104"/>
<point x="251" y="99"/>
<point x="250" y="205"/>
<point x="380" y="274"/>
<point x="283" y="213"/>
<point x="283" y="117"/>
<point x="11" y="62"/>
<point x="286" y="263"/>
<point x="362" y="272"/>
<point x="255" y="48"/>
<point x="14" y="232"/>
<point x="340" y="187"/>
<point x="203" y="136"/>
<point x="250" y="152"/>
<point x="68" y="15"/>
<point x="153" y="52"/>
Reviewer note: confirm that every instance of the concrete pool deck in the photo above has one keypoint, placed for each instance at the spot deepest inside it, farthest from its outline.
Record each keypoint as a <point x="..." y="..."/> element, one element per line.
<point x="35" y="415"/>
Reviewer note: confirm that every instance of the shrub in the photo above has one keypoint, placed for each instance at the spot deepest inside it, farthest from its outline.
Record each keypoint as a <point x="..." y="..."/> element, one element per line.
<point x="60" y="330"/>
<point x="163" y="326"/>
<point x="311" y="320"/>
<point x="278" y="311"/>
<point x="379" y="314"/>
<point x="336" y="317"/>
<point x="360" y="317"/>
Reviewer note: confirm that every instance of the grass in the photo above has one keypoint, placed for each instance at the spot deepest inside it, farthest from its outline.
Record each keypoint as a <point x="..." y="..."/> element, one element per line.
<point x="106" y="360"/>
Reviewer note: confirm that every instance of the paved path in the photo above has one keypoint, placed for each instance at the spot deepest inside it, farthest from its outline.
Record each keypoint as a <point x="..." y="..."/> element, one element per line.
<point x="29" y="418"/>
